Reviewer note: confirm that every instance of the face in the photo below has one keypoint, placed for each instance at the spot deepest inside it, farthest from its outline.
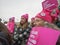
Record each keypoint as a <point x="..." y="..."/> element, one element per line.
<point x="23" y="20"/>
<point x="39" y="22"/>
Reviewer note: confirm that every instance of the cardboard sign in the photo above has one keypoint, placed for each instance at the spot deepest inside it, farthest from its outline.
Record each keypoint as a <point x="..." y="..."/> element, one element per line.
<point x="43" y="36"/>
<point x="50" y="4"/>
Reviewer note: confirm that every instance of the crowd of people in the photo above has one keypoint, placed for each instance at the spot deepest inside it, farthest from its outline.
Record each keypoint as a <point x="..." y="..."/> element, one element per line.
<point x="19" y="34"/>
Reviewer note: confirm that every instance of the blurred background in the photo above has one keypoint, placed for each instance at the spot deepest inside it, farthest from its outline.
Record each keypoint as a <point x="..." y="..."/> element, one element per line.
<point x="15" y="8"/>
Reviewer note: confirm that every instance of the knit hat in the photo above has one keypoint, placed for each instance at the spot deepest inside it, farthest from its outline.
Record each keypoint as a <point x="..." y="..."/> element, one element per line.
<point x="45" y="16"/>
<point x="25" y="16"/>
<point x="12" y="19"/>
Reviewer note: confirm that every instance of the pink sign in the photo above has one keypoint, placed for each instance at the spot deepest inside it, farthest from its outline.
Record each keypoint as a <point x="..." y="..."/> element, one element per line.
<point x="49" y="4"/>
<point x="43" y="36"/>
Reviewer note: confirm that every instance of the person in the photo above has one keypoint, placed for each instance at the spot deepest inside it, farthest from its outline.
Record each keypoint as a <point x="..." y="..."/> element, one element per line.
<point x="5" y="37"/>
<point x="32" y="22"/>
<point x="58" y="19"/>
<point x="54" y="16"/>
<point x="50" y="20"/>
<point x="22" y="32"/>
<point x="11" y="25"/>
<point x="44" y="31"/>
<point x="58" y="12"/>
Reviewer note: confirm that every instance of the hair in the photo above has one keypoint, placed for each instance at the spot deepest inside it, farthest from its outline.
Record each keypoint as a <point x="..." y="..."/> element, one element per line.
<point x="50" y="25"/>
<point x="4" y="29"/>
<point x="24" y="26"/>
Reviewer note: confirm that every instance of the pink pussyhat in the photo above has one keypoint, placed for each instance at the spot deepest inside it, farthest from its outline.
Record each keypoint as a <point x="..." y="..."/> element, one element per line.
<point x="45" y="16"/>
<point x="12" y="19"/>
<point x="48" y="10"/>
<point x="25" y="16"/>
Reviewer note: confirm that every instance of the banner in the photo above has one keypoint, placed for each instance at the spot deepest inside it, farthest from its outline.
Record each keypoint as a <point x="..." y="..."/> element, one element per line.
<point x="43" y="36"/>
<point x="50" y="4"/>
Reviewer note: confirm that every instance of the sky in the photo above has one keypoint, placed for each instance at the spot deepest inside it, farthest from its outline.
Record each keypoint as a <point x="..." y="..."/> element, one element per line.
<point x="16" y="8"/>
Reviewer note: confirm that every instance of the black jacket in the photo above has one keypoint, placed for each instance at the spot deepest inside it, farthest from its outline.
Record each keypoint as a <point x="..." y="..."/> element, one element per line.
<point x="3" y="39"/>
<point x="58" y="41"/>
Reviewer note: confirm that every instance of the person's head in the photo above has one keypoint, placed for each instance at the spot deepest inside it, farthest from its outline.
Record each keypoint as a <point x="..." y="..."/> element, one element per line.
<point x="5" y="22"/>
<point x="12" y="19"/>
<point x="4" y="29"/>
<point x="41" y="18"/>
<point x="24" y="19"/>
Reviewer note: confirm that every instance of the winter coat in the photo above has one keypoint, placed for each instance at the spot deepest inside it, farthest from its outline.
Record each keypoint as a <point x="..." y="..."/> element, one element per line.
<point x="3" y="39"/>
<point x="43" y="36"/>
<point x="10" y="26"/>
<point x="21" y="35"/>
